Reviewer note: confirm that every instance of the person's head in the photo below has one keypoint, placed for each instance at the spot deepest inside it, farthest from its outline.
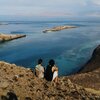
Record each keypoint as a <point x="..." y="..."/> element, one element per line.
<point x="11" y="96"/>
<point x="51" y="62"/>
<point x="40" y="61"/>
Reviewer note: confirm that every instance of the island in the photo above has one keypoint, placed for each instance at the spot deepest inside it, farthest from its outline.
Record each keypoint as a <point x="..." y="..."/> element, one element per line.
<point x="8" y="37"/>
<point x="58" y="28"/>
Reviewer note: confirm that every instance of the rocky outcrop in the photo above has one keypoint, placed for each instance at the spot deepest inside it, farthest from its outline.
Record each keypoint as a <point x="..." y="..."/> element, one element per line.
<point x="89" y="75"/>
<point x="21" y="82"/>
<point x="8" y="37"/>
<point x="93" y="63"/>
<point x="58" y="28"/>
<point x="89" y="80"/>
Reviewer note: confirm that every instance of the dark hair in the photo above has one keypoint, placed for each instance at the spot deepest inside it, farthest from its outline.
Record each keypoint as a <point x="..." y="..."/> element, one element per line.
<point x="52" y="62"/>
<point x="11" y="96"/>
<point x="48" y="72"/>
<point x="39" y="61"/>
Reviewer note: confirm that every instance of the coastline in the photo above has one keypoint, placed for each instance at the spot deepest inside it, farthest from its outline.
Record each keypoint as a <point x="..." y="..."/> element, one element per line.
<point x="8" y="37"/>
<point x="93" y="63"/>
<point x="23" y="83"/>
<point x="89" y="75"/>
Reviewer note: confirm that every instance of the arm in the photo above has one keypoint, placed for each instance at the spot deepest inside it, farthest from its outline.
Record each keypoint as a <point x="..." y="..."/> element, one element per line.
<point x="54" y="68"/>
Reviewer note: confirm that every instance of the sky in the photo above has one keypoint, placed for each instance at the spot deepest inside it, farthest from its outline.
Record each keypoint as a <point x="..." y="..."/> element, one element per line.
<point x="50" y="8"/>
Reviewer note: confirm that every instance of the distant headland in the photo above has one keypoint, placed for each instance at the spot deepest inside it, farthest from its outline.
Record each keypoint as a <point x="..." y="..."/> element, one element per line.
<point x="8" y="37"/>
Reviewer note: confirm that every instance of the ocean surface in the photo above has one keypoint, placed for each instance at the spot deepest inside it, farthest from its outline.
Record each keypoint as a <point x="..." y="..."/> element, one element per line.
<point x="70" y="48"/>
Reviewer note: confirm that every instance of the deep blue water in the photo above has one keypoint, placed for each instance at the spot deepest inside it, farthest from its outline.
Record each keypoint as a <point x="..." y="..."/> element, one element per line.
<point x="70" y="48"/>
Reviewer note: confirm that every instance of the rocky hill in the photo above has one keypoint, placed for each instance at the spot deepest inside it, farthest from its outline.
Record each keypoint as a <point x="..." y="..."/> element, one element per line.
<point x="23" y="83"/>
<point x="89" y="75"/>
<point x="89" y="80"/>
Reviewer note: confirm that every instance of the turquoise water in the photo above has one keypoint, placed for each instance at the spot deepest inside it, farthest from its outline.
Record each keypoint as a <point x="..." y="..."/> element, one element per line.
<point x="70" y="48"/>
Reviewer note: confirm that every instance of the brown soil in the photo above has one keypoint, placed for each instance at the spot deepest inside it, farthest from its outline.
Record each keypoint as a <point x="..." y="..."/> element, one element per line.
<point x="24" y="84"/>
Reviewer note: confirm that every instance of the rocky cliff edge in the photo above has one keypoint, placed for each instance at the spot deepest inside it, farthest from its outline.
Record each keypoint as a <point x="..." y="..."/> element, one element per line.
<point x="22" y="81"/>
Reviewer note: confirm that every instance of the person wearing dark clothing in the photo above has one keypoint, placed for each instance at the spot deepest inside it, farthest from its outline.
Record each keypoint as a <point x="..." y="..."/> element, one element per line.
<point x="48" y="72"/>
<point x="11" y="96"/>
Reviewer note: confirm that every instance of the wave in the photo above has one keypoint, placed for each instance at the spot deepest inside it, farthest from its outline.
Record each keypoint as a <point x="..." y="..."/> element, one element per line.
<point x="80" y="53"/>
<point x="89" y="45"/>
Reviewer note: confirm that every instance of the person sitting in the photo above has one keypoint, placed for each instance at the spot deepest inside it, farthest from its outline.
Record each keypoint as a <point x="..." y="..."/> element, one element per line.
<point x="39" y="69"/>
<point x="55" y="74"/>
<point x="51" y="73"/>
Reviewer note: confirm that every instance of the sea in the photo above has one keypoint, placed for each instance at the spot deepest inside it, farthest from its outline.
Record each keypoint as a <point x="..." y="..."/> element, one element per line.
<point x="70" y="48"/>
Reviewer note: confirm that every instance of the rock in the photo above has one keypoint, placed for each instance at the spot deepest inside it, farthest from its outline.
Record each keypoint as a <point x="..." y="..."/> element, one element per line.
<point x="4" y="85"/>
<point x="93" y="63"/>
<point x="15" y="78"/>
<point x="89" y="75"/>
<point x="70" y="83"/>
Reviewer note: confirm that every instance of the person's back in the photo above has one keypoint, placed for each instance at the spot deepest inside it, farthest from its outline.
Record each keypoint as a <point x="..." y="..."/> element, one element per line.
<point x="48" y="73"/>
<point x="39" y="69"/>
